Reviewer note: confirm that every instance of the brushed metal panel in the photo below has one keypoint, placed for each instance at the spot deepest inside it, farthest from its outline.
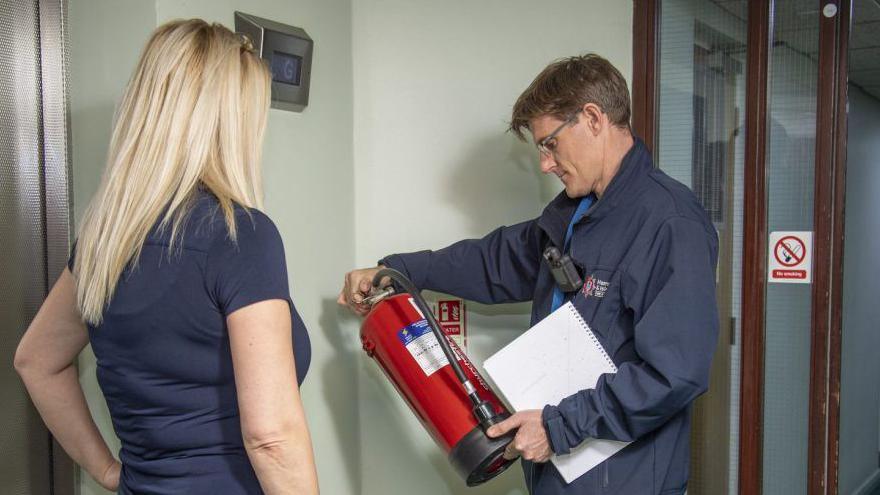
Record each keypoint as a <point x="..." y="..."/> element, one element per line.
<point x="56" y="120"/>
<point x="25" y="462"/>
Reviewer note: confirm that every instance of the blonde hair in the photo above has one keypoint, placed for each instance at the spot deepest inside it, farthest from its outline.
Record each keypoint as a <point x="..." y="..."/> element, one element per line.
<point x="194" y="112"/>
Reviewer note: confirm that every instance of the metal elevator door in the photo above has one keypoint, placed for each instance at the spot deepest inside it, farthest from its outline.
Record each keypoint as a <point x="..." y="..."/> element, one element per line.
<point x="34" y="224"/>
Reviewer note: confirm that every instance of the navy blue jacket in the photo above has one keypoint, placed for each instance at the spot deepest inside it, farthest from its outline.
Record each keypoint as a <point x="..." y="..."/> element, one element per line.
<point x="647" y="251"/>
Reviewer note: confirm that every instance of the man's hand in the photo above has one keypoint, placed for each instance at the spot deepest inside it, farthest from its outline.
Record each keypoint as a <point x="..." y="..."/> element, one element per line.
<point x="530" y="441"/>
<point x="358" y="284"/>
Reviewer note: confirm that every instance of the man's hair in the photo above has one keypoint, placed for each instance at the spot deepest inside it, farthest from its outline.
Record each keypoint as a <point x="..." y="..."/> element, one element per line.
<point x="566" y="85"/>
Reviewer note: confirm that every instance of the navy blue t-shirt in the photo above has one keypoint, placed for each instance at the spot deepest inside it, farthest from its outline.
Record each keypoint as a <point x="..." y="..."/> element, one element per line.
<point x="163" y="356"/>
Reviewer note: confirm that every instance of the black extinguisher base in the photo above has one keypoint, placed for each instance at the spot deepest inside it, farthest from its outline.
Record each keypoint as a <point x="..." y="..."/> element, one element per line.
<point x="479" y="458"/>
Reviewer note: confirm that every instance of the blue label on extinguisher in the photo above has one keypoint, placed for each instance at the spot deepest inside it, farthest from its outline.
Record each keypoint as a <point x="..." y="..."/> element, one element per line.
<point x="414" y="331"/>
<point x="423" y="346"/>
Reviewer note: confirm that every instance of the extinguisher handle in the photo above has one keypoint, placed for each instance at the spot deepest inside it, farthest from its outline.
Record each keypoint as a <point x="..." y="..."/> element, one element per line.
<point x="378" y="296"/>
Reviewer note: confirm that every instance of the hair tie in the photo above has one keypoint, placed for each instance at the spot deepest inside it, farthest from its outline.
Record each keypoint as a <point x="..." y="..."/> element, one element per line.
<point x="246" y="42"/>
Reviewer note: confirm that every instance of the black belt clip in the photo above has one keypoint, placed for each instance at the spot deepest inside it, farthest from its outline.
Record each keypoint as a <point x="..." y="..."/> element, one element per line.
<point x="562" y="267"/>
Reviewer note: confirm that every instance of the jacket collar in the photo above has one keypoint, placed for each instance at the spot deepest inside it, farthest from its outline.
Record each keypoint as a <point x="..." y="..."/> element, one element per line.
<point x="636" y="164"/>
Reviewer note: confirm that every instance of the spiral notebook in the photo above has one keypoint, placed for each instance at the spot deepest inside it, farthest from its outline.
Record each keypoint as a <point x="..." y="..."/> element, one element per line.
<point x="552" y="360"/>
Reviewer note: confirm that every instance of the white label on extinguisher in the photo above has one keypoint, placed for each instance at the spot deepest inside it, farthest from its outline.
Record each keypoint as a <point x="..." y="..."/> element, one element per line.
<point x="423" y="346"/>
<point x="416" y="307"/>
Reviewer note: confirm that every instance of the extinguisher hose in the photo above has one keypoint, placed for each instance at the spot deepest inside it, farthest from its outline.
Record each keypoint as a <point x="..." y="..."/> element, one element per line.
<point x="483" y="411"/>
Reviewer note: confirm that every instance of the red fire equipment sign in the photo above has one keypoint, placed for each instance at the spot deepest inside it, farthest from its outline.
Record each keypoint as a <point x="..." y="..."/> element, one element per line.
<point x="453" y="319"/>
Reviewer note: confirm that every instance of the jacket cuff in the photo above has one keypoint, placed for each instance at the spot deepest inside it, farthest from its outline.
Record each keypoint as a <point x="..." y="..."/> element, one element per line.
<point x="393" y="261"/>
<point x="412" y="265"/>
<point x="554" y="425"/>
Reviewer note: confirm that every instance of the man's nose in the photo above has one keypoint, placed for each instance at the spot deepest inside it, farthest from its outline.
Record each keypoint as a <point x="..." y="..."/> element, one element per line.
<point x="547" y="163"/>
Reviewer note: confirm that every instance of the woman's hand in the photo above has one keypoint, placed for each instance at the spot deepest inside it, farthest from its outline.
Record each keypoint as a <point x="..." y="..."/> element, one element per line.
<point x="109" y="480"/>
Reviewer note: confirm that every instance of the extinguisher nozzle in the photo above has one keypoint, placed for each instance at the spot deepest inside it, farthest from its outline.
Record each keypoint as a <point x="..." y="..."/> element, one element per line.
<point x="486" y="415"/>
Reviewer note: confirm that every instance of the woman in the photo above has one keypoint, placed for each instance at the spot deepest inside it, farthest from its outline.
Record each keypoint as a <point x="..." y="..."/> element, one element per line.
<point x="179" y="283"/>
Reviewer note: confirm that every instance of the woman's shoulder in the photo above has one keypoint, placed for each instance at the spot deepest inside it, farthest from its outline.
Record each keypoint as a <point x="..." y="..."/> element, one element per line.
<point x="248" y="265"/>
<point x="207" y="227"/>
<point x="255" y="233"/>
<point x="255" y="227"/>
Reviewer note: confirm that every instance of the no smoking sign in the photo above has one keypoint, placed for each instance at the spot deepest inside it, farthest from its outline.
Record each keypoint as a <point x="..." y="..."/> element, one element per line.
<point x="790" y="257"/>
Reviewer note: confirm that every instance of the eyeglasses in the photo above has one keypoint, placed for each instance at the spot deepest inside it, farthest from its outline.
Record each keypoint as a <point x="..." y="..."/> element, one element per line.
<point x="548" y="145"/>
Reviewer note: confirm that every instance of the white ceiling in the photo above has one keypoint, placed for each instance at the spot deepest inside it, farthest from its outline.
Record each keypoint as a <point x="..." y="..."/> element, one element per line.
<point x="797" y="30"/>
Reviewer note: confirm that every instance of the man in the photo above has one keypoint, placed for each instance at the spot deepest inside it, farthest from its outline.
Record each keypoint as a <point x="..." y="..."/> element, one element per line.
<point x="647" y="252"/>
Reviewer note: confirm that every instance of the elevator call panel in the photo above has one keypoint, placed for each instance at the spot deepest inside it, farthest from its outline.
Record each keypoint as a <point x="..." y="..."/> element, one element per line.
<point x="288" y="51"/>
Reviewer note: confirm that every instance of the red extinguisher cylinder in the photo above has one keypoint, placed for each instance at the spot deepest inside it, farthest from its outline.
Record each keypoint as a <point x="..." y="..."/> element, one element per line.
<point x="400" y="339"/>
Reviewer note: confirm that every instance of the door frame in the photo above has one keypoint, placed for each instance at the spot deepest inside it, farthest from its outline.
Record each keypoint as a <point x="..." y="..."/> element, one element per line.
<point x="827" y="320"/>
<point x="56" y="178"/>
<point x="826" y="299"/>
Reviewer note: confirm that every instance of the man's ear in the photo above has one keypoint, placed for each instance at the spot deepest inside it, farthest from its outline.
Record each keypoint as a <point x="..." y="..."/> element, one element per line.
<point x="594" y="118"/>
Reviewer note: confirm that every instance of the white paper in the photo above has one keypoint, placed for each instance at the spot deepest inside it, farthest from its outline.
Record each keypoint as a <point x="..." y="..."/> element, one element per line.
<point x="552" y="360"/>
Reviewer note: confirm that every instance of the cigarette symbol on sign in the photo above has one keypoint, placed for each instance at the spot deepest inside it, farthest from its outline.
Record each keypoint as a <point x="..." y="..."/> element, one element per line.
<point x="790" y="251"/>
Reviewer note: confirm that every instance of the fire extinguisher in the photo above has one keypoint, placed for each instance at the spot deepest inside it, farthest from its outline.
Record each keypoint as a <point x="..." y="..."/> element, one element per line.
<point x="439" y="383"/>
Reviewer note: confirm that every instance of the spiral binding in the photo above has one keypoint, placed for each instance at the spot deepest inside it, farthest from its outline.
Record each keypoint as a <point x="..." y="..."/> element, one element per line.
<point x="592" y="336"/>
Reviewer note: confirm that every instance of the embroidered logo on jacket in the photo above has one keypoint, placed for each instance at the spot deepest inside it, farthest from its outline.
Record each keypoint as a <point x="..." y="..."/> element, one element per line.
<point x="595" y="287"/>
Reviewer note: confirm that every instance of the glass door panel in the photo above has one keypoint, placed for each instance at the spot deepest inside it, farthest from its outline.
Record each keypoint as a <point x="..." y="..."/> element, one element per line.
<point x="701" y="102"/>
<point x="790" y="165"/>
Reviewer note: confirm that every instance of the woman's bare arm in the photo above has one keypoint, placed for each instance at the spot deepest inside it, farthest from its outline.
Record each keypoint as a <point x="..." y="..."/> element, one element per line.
<point x="45" y="361"/>
<point x="273" y="422"/>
